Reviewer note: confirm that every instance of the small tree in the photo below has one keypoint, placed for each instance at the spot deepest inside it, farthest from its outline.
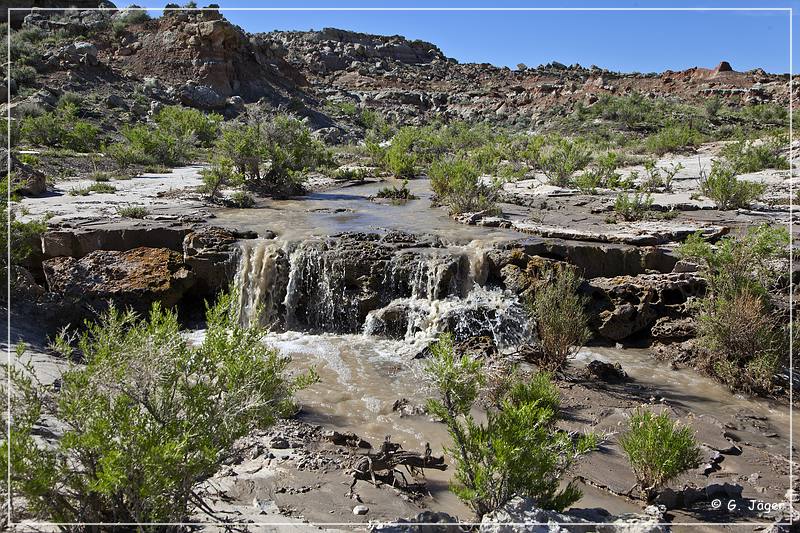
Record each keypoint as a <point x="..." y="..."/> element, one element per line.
<point x="726" y="190"/>
<point x="658" y="449"/>
<point x="518" y="451"/>
<point x="560" y="318"/>
<point x="145" y="419"/>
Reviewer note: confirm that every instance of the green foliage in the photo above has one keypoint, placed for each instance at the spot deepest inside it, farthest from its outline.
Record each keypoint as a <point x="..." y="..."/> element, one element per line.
<point x="762" y="115"/>
<point x="220" y="174"/>
<point x="658" y="449"/>
<point x="563" y="159"/>
<point x="273" y="156"/>
<point x="745" y="339"/>
<point x="351" y="174"/>
<point x="712" y="107"/>
<point x="145" y="145"/>
<point x="632" y="207"/>
<point x="242" y="200"/>
<point x="518" y="451"/>
<point x="561" y="321"/>
<point x="22" y="239"/>
<point x="603" y="174"/>
<point x="750" y="156"/>
<point x="146" y="418"/>
<point x="659" y="177"/>
<point x="133" y="211"/>
<point x="457" y="184"/>
<point x="184" y="122"/>
<point x="396" y="193"/>
<point x="98" y="187"/>
<point x="728" y="192"/>
<point x="673" y="138"/>
<point x="60" y="129"/>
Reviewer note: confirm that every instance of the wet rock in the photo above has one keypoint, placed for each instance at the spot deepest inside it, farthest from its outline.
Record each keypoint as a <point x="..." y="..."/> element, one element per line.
<point x="521" y="515"/>
<point x="346" y="439"/>
<point x="626" y="305"/>
<point x="612" y="373"/>
<point x="211" y="252"/>
<point x="424" y="522"/>
<point x="136" y="278"/>
<point x="670" y="329"/>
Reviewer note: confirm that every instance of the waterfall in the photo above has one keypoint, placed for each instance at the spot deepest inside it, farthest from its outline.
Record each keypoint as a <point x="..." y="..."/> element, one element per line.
<point x="345" y="286"/>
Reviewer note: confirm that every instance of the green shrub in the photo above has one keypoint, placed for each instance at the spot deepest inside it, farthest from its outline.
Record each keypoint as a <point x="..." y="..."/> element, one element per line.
<point x="145" y="418"/>
<point x="658" y="449"/>
<point x="760" y="115"/>
<point x="60" y="128"/>
<point x="184" y="122"/>
<point x="133" y="211"/>
<point x="632" y="207"/>
<point x="351" y="174"/>
<point x="561" y="321"/>
<point x="713" y="106"/>
<point x="603" y="174"/>
<point x="745" y="339"/>
<point x="144" y="145"/>
<point x="673" y="138"/>
<point x="458" y="185"/>
<point x="102" y="188"/>
<point x="24" y="237"/>
<point x="563" y="159"/>
<point x="396" y="193"/>
<point x="659" y="177"/>
<point x="728" y="192"/>
<point x="242" y="200"/>
<point x="518" y="451"/>
<point x="747" y="156"/>
<point x="220" y="174"/>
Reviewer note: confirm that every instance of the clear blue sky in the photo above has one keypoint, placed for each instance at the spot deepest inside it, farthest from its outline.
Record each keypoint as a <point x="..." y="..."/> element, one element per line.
<point x="625" y="41"/>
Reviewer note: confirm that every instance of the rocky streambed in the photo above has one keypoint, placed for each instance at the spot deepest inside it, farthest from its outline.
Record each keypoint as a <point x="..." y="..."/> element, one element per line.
<point x="358" y="289"/>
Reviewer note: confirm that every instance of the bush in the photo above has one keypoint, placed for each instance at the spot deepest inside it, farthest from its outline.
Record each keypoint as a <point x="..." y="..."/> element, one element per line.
<point x="728" y="192"/>
<point x="457" y="184"/>
<point x="133" y="211"/>
<point x="60" y="128"/>
<point x="712" y="107"/>
<point x="220" y="174"/>
<point x="242" y="200"/>
<point x="745" y="339"/>
<point x="561" y="321"/>
<point x="188" y="123"/>
<point x="519" y="451"/>
<point x="658" y="449"/>
<point x="145" y="145"/>
<point x="146" y="418"/>
<point x="351" y="174"/>
<point x="673" y="138"/>
<point x="632" y="207"/>
<point x="563" y="160"/>
<point x="659" y="177"/>
<point x="396" y="193"/>
<point x="748" y="156"/>
<point x="603" y="174"/>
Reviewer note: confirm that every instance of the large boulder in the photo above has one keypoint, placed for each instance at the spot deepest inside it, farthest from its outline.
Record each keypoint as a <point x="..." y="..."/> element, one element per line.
<point x="626" y="305"/>
<point x="211" y="253"/>
<point x="25" y="179"/>
<point x="135" y="278"/>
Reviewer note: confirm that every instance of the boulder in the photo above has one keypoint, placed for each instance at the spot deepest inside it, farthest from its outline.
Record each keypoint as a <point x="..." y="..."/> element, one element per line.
<point x="612" y="373"/>
<point x="211" y="253"/>
<point x="424" y="522"/>
<point x="25" y="179"/>
<point x="136" y="278"/>
<point x="626" y="305"/>
<point x="201" y="96"/>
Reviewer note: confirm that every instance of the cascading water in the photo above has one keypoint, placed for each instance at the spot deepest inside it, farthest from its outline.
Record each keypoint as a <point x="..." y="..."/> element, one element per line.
<point x="343" y="285"/>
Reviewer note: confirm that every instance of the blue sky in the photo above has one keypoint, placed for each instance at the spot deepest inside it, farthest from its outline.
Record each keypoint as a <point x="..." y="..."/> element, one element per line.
<point x="625" y="41"/>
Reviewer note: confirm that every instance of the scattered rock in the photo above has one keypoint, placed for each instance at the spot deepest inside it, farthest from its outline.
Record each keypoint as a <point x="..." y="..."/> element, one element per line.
<point x="360" y="510"/>
<point x="612" y="373"/>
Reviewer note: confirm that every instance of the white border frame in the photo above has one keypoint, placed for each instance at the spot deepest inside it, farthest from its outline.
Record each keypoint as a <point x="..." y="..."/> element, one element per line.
<point x="790" y="492"/>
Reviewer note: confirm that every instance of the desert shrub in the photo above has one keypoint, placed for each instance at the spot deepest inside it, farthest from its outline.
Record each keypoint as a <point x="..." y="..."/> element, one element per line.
<point x="728" y="192"/>
<point x="748" y="156"/>
<point x="745" y="338"/>
<point x="603" y="174"/>
<point x="144" y="145"/>
<point x="102" y="188"/>
<point x="396" y="193"/>
<point x="458" y="185"/>
<point x="518" y="450"/>
<point x="21" y="240"/>
<point x="658" y="449"/>
<point x="60" y="128"/>
<point x="561" y="321"/>
<point x="70" y="99"/>
<point x="133" y="211"/>
<point x="242" y="200"/>
<point x="273" y="156"/>
<point x="673" y="138"/>
<point x="760" y="115"/>
<point x="712" y="107"/>
<point x="145" y="418"/>
<point x="632" y="207"/>
<point x="185" y="122"/>
<point x="659" y="177"/>
<point x="351" y="174"/>
<point x="220" y="174"/>
<point x="563" y="159"/>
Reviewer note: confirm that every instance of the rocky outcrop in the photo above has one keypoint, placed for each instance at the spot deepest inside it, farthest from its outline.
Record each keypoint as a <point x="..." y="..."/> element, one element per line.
<point x="627" y="305"/>
<point x="17" y="16"/>
<point x="212" y="253"/>
<point x="25" y="179"/>
<point x="521" y="515"/>
<point x="136" y="278"/>
<point x="119" y="236"/>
